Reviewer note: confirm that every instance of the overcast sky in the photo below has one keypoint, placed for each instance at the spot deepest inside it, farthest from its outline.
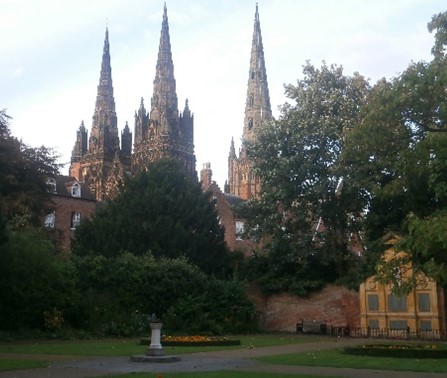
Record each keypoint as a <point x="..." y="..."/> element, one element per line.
<point x="51" y="57"/>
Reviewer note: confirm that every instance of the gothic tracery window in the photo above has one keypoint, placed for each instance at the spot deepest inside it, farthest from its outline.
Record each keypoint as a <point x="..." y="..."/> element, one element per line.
<point x="250" y="123"/>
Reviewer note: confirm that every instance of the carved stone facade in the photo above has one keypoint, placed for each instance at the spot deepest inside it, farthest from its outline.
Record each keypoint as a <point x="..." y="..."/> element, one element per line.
<point x="163" y="132"/>
<point x="241" y="179"/>
<point x="101" y="163"/>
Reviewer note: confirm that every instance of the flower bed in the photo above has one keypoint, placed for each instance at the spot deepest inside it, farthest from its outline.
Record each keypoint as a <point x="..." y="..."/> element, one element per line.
<point x="195" y="340"/>
<point x="399" y="350"/>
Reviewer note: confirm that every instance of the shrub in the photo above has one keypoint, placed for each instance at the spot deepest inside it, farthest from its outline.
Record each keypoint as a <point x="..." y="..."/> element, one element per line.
<point x="398" y="350"/>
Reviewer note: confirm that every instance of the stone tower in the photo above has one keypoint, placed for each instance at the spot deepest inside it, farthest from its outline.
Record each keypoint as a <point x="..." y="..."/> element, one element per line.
<point x="164" y="132"/>
<point x="102" y="164"/>
<point x="241" y="179"/>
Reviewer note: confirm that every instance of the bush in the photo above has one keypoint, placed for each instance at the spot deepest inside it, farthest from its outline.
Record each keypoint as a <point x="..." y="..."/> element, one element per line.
<point x="222" y="308"/>
<point x="33" y="281"/>
<point x="398" y="351"/>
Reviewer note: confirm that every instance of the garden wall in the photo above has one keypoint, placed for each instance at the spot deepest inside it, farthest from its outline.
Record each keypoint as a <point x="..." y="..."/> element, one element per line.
<point x="334" y="305"/>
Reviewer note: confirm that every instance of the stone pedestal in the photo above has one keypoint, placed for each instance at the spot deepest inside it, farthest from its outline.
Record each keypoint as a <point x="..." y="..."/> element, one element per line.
<point x="155" y="352"/>
<point x="155" y="349"/>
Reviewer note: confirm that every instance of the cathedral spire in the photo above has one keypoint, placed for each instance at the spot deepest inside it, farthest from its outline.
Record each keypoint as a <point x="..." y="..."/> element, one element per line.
<point x="104" y="134"/>
<point x="257" y="105"/>
<point x="242" y="180"/>
<point x="164" y="133"/>
<point x="164" y="104"/>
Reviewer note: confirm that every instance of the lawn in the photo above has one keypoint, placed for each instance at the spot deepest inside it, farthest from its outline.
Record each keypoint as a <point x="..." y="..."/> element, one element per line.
<point x="216" y="374"/>
<point x="335" y="358"/>
<point x="11" y="364"/>
<point x="127" y="347"/>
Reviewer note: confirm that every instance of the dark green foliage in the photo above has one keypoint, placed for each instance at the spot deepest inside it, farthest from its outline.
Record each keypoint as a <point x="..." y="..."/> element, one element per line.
<point x="398" y="351"/>
<point x="118" y="294"/>
<point x="398" y="155"/>
<point x="164" y="211"/>
<point x="305" y="183"/>
<point x="32" y="280"/>
<point x="221" y="307"/>
<point x="23" y="174"/>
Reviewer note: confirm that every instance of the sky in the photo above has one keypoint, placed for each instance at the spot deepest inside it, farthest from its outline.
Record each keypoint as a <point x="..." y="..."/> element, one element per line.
<point x="51" y="54"/>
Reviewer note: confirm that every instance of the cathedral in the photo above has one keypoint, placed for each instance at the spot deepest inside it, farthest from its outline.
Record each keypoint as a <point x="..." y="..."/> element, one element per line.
<point x="101" y="162"/>
<point x="242" y="181"/>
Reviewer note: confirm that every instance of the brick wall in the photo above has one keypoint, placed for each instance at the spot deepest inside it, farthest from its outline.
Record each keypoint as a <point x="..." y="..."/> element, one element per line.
<point x="337" y="306"/>
<point x="63" y="207"/>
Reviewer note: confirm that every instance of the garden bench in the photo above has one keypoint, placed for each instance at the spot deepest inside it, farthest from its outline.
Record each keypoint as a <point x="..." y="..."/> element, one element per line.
<point x="311" y="326"/>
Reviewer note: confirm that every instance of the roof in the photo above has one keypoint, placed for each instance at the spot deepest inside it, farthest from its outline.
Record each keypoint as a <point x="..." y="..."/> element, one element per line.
<point x="232" y="199"/>
<point x="64" y="185"/>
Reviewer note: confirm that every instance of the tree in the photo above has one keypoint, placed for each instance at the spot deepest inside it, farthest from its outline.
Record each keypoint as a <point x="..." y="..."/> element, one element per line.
<point x="162" y="210"/>
<point x="303" y="181"/>
<point x="24" y="172"/>
<point x="399" y="155"/>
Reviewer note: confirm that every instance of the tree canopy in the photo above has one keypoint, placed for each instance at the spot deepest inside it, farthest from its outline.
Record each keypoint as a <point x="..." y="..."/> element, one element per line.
<point x="398" y="155"/>
<point x="162" y="210"/>
<point x="304" y="183"/>
<point x="24" y="171"/>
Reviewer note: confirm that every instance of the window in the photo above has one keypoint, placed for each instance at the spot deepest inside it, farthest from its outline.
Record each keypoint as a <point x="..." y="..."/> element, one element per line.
<point x="425" y="325"/>
<point x="239" y="229"/>
<point x="396" y="303"/>
<point x="76" y="190"/>
<point x="398" y="325"/>
<point x="75" y="219"/>
<point x="49" y="220"/>
<point x="424" y="302"/>
<point x="250" y="124"/>
<point x="252" y="100"/>
<point x="51" y="182"/>
<point x="373" y="323"/>
<point x="373" y="302"/>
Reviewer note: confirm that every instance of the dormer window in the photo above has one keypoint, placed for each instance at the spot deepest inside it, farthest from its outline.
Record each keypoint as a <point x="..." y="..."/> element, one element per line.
<point x="76" y="190"/>
<point x="51" y="184"/>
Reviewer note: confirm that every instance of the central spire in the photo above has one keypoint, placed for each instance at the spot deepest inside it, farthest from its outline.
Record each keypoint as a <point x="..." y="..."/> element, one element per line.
<point x="164" y="104"/>
<point x="164" y="133"/>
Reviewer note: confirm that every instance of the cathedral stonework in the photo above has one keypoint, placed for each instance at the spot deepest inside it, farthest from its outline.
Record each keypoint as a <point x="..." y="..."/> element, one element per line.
<point x="241" y="179"/>
<point x="101" y="163"/>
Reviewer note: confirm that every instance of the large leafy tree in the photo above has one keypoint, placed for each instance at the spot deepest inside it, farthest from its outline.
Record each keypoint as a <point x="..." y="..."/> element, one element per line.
<point x="304" y="182"/>
<point x="24" y="171"/>
<point x="162" y="210"/>
<point x="398" y="154"/>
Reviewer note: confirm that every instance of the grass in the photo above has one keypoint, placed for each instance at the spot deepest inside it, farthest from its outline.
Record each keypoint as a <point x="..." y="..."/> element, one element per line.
<point x="44" y="351"/>
<point x="126" y="347"/>
<point x="335" y="358"/>
<point x="216" y="374"/>
<point x="7" y="365"/>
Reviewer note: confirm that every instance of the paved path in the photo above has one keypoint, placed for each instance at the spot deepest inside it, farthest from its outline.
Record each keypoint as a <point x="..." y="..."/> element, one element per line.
<point x="236" y="359"/>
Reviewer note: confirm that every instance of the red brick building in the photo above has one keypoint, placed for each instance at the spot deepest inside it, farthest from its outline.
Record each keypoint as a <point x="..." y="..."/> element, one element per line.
<point x="70" y="202"/>
<point x="225" y="202"/>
